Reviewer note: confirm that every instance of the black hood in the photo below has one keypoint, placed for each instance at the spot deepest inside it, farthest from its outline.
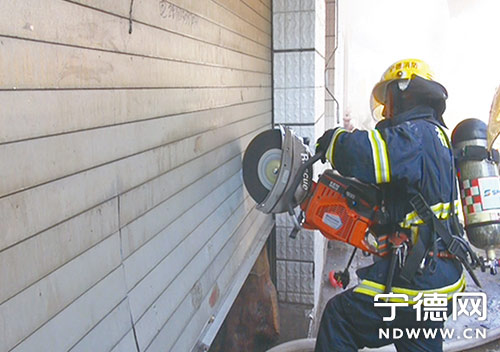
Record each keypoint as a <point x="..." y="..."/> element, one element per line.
<point x="419" y="92"/>
<point x="418" y="112"/>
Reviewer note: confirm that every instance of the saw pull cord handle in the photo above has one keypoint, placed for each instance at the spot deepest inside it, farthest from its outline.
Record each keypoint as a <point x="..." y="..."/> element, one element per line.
<point x="297" y="220"/>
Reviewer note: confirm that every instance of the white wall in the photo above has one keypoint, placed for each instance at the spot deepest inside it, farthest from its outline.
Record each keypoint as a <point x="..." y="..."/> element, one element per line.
<point x="124" y="219"/>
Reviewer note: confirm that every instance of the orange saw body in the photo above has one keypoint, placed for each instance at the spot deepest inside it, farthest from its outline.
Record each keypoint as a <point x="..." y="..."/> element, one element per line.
<point x="344" y="209"/>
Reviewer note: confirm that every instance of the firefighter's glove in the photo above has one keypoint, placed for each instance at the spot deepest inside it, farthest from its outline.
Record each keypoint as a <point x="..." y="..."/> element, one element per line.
<point x="323" y="143"/>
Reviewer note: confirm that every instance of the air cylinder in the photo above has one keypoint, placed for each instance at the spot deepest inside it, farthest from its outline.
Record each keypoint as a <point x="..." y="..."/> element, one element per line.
<point x="477" y="170"/>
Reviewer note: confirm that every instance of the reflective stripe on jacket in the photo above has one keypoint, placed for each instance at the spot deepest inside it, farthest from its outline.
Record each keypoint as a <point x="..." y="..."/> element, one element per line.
<point x="372" y="288"/>
<point x="441" y="210"/>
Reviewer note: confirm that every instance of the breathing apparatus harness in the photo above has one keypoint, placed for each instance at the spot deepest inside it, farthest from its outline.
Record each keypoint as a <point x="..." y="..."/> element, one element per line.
<point x="424" y="252"/>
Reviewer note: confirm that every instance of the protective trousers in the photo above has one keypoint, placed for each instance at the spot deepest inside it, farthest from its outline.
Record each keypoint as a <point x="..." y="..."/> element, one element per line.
<point x="351" y="321"/>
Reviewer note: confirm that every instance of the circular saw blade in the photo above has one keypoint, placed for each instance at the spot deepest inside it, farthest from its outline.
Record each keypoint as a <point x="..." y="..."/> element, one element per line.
<point x="261" y="163"/>
<point x="268" y="167"/>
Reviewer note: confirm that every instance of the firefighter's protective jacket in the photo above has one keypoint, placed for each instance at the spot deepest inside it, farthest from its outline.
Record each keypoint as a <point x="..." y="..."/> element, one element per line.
<point x="405" y="155"/>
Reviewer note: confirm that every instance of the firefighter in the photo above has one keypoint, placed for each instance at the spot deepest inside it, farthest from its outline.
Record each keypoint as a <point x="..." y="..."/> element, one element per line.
<point x="408" y="155"/>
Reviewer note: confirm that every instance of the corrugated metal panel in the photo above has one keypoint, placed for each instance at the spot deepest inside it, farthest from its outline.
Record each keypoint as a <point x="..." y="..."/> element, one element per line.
<point x="124" y="217"/>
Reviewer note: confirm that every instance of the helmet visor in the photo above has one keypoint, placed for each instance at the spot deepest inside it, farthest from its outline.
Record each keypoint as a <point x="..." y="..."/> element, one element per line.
<point x="377" y="109"/>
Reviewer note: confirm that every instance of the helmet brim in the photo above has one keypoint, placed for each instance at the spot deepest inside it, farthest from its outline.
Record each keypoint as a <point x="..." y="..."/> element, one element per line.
<point x="379" y="92"/>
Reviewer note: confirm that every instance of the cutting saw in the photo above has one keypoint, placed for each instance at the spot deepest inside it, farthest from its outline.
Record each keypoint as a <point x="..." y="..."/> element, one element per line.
<point x="277" y="172"/>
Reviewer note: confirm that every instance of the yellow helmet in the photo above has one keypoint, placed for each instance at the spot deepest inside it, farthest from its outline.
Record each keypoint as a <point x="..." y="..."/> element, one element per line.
<point x="405" y="69"/>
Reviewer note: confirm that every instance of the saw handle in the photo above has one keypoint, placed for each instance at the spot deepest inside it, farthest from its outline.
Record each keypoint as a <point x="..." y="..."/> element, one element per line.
<point x="297" y="224"/>
<point x="298" y="220"/>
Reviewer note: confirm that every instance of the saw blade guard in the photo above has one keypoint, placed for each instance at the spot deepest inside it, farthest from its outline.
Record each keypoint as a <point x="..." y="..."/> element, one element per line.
<point x="270" y="165"/>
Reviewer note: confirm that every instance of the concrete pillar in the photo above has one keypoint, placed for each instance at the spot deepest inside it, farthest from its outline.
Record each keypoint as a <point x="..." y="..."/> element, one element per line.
<point x="299" y="102"/>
